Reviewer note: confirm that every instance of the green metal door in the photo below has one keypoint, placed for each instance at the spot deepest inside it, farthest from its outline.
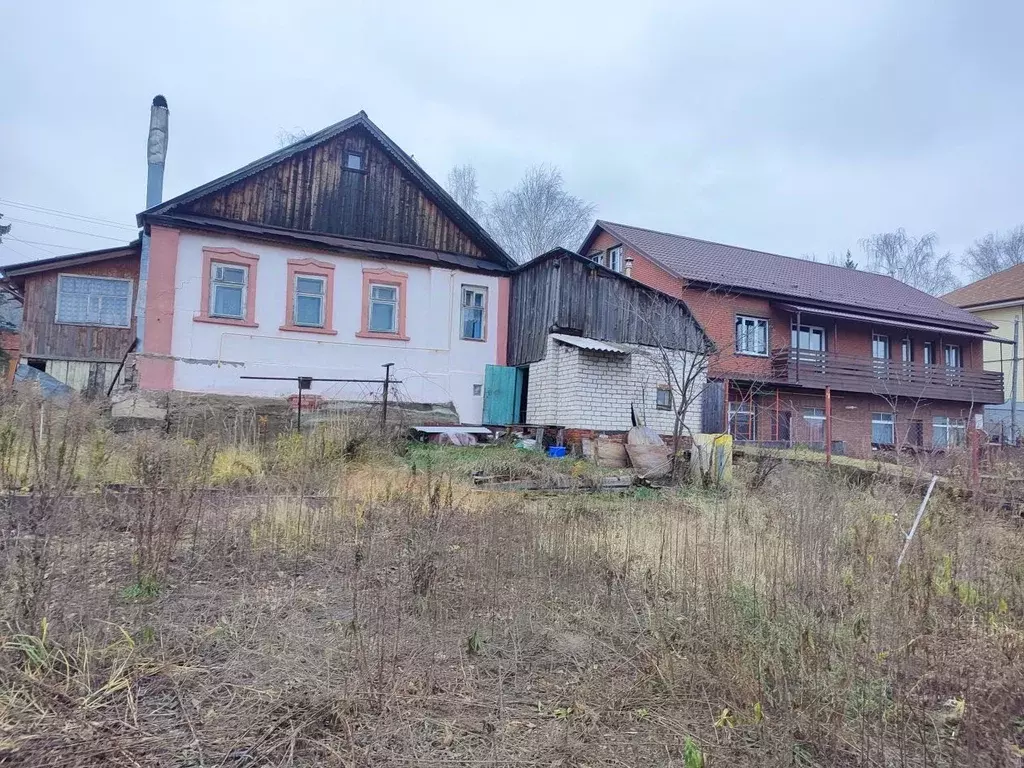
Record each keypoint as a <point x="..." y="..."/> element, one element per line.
<point x="500" y="389"/>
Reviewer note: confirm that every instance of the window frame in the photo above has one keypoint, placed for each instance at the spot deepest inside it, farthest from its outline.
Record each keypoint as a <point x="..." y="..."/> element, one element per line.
<point x="948" y="428"/>
<point x="812" y="330"/>
<point x="321" y="295"/>
<point x="386" y="302"/>
<point x="131" y="297"/>
<point x="598" y="257"/>
<point x="946" y="349"/>
<point x="743" y="407"/>
<point x="243" y="287"/>
<point x="353" y="153"/>
<point x="615" y="253"/>
<point x="310" y="268"/>
<point x="229" y="257"/>
<point x="814" y="423"/>
<point x="891" y="422"/>
<point x="658" y="392"/>
<point x="878" y="337"/>
<point x="744" y="319"/>
<point x="928" y="353"/>
<point x="476" y="289"/>
<point x="391" y="279"/>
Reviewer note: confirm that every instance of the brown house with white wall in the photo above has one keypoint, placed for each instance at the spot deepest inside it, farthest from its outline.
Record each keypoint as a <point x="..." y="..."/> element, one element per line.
<point x="902" y="369"/>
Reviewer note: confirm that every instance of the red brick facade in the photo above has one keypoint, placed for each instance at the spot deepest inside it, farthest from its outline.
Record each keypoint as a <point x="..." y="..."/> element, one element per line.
<point x="750" y="376"/>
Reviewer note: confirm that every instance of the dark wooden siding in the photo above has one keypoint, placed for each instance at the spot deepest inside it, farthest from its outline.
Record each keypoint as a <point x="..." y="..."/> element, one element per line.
<point x="312" y="192"/>
<point x="574" y="296"/>
<point x="43" y="337"/>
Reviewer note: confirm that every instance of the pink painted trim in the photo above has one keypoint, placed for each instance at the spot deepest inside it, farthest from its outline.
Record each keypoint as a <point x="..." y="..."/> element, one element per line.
<point x="157" y="372"/>
<point x="384" y="277"/>
<point x="501" y="354"/>
<point x="313" y="268"/>
<point x="228" y="256"/>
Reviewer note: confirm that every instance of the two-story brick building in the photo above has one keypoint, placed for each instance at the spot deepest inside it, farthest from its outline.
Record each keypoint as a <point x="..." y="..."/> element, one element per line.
<point x="902" y="369"/>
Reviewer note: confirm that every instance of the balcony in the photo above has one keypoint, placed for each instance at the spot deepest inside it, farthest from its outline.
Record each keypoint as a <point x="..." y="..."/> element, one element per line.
<point x="888" y="378"/>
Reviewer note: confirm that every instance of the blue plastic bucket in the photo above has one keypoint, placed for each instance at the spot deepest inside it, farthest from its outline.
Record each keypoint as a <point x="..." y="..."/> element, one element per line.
<point x="556" y="451"/>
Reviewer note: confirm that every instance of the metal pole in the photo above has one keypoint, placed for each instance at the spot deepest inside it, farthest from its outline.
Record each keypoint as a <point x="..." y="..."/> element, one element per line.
<point x="828" y="426"/>
<point x="384" y="402"/>
<point x="1013" y="380"/>
<point x="298" y="423"/>
<point x="798" y="347"/>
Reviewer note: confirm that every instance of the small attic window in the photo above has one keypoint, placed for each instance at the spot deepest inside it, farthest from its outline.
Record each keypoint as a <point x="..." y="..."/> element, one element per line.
<point x="354" y="161"/>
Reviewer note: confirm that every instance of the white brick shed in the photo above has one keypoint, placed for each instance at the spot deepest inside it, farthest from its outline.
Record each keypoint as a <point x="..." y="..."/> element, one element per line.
<point x="587" y="384"/>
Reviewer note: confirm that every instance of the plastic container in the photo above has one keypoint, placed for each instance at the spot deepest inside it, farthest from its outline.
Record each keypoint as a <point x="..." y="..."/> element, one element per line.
<point x="556" y="451"/>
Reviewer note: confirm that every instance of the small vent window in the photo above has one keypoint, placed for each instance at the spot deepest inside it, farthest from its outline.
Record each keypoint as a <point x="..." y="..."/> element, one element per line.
<point x="354" y="161"/>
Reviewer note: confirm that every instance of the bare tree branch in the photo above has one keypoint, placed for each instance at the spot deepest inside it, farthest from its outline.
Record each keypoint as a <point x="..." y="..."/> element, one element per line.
<point x="538" y="214"/>
<point x="911" y="260"/>
<point x="287" y="138"/>
<point x="994" y="253"/>
<point x="462" y="185"/>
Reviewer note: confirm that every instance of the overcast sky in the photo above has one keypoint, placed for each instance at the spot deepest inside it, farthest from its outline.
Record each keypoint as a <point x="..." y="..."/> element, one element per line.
<point x="793" y="127"/>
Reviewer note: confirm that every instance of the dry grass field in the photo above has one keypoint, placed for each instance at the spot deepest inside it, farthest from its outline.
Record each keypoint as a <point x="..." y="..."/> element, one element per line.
<point x="345" y="600"/>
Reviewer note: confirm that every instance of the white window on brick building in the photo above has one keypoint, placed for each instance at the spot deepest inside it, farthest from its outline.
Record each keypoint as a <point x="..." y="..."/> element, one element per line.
<point x="751" y="335"/>
<point x="883" y="430"/>
<point x="742" y="424"/>
<point x="615" y="258"/>
<point x="814" y="419"/>
<point x="597" y="257"/>
<point x="947" y="432"/>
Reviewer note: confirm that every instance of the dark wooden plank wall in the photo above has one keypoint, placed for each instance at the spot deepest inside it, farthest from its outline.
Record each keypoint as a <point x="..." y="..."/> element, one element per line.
<point x="43" y="337"/>
<point x="579" y="298"/>
<point x="311" y="191"/>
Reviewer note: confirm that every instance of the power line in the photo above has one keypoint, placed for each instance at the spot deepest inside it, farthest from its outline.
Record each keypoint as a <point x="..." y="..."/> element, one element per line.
<point x="44" y="245"/>
<point x="13" y="250"/>
<point x="65" y="229"/>
<point x="67" y="215"/>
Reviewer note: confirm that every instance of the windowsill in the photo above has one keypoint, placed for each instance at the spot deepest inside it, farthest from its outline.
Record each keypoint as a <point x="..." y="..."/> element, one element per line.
<point x="308" y="329"/>
<point x="470" y="338"/>
<point x="224" y="321"/>
<point x="662" y="408"/>
<point x="93" y="325"/>
<point x="380" y="335"/>
<point x="751" y="354"/>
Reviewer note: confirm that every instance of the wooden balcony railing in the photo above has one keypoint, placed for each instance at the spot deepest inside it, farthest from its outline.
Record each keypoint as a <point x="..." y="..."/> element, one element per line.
<point x="890" y="378"/>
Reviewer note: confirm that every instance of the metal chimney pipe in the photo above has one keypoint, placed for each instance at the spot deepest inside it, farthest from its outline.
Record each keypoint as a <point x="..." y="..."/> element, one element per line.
<point x="156" y="151"/>
<point x="156" y="154"/>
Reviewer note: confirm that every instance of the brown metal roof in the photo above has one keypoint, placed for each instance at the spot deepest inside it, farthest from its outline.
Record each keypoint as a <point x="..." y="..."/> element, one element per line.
<point x="1007" y="285"/>
<point x="895" y="323"/>
<point x="728" y="266"/>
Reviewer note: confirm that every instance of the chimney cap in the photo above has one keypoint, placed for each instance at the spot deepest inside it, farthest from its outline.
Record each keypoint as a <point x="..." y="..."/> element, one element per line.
<point x="159" y="101"/>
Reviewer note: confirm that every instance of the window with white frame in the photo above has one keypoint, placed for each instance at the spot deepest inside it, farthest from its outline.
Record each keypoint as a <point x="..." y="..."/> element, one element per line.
<point x="229" y="284"/>
<point x="751" y="335"/>
<point x="947" y="432"/>
<point x="883" y="430"/>
<point x="814" y="418"/>
<point x="663" y="398"/>
<point x="383" y="308"/>
<point x="742" y="424"/>
<point x="309" y="303"/>
<point x="474" y="312"/>
<point x="597" y="257"/>
<point x="615" y="258"/>
<point x="88" y="300"/>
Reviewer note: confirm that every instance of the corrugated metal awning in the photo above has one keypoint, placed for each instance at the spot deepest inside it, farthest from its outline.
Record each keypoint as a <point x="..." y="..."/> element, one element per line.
<point x="460" y="430"/>
<point x="894" y="323"/>
<point x="592" y="345"/>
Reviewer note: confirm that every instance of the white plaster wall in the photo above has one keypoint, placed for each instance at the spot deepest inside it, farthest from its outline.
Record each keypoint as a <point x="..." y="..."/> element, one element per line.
<point x="580" y="389"/>
<point x="435" y="365"/>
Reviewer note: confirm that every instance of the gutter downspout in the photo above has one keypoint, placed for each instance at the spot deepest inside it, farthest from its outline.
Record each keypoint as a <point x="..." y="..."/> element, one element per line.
<point x="156" y="154"/>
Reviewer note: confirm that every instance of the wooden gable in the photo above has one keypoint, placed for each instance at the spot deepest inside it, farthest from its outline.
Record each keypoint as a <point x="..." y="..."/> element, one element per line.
<point x="312" y="190"/>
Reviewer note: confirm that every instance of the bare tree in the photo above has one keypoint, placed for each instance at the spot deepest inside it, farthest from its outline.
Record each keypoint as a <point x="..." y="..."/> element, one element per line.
<point x="538" y="214"/>
<point x="912" y="260"/>
<point x="4" y="229"/>
<point x="994" y="253"/>
<point x="462" y="185"/>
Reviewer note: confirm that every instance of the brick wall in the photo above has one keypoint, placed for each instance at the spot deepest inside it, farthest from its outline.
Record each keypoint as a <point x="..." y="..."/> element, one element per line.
<point x="851" y="417"/>
<point x="644" y="270"/>
<point x="581" y="389"/>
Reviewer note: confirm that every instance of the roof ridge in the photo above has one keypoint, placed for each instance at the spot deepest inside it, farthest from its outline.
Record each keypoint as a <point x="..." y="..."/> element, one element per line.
<point x="753" y="250"/>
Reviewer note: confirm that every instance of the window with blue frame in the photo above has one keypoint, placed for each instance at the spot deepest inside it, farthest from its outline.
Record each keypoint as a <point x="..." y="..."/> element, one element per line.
<point x="474" y="312"/>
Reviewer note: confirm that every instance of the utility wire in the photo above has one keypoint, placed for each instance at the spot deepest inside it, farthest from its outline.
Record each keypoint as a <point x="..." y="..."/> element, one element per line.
<point x="67" y="215"/>
<point x="44" y="245"/>
<point x="65" y="229"/>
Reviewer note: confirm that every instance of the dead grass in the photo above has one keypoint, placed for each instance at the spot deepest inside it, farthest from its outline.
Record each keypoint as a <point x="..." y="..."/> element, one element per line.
<point x="351" y="611"/>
